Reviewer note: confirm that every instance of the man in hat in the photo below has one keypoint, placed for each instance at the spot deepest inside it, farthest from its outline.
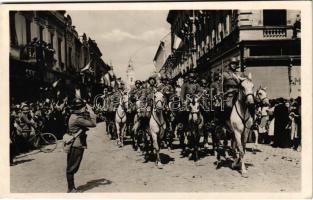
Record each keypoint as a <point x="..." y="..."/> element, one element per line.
<point x="133" y="95"/>
<point x="191" y="88"/>
<point x="230" y="76"/>
<point x="81" y="119"/>
<point x="26" y="122"/>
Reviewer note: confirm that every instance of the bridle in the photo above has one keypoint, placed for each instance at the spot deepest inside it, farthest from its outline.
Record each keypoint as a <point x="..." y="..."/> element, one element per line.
<point x="245" y="95"/>
<point x="243" y="119"/>
<point x="162" y="104"/>
<point x="158" y="109"/>
<point x="258" y="96"/>
<point x="122" y="104"/>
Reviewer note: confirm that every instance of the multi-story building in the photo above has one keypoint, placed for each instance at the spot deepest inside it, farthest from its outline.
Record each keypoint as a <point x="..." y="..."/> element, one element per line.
<point x="266" y="42"/>
<point x="162" y="54"/>
<point x="44" y="48"/>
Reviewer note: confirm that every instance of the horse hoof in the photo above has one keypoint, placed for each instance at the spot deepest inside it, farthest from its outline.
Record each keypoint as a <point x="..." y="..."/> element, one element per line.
<point x="244" y="174"/>
<point x="159" y="165"/>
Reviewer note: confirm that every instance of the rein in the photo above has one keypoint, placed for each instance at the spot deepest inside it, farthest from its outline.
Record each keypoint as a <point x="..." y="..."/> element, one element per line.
<point x="242" y="118"/>
<point x="158" y="123"/>
<point x="121" y="116"/>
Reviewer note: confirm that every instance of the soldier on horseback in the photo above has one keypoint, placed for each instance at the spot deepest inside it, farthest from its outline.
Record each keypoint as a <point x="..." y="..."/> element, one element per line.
<point x="231" y="82"/>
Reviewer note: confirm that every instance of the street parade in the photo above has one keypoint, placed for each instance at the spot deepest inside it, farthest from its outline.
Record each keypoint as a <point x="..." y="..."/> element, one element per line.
<point x="226" y="119"/>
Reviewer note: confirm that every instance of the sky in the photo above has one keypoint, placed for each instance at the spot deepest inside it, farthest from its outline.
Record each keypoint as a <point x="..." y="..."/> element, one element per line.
<point x="122" y="35"/>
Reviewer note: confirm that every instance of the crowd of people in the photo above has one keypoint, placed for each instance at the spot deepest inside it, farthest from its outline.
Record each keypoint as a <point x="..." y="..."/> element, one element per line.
<point x="279" y="123"/>
<point x="48" y="115"/>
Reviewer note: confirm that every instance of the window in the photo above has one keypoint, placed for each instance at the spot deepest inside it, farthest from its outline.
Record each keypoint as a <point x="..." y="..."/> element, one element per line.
<point x="60" y="52"/>
<point x="274" y="18"/>
<point x="28" y="34"/>
<point x="40" y="32"/>
<point x="51" y="39"/>
<point x="70" y="56"/>
<point x="228" y="25"/>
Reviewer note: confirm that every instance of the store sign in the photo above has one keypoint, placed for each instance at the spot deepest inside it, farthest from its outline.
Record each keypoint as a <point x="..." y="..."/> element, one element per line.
<point x="295" y="82"/>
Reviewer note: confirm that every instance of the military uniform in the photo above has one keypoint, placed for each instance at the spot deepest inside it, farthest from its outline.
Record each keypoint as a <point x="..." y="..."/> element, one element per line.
<point x="79" y="121"/>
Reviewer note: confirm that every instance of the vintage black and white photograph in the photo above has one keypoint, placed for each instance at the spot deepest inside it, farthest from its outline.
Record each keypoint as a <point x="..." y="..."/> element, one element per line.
<point x="172" y="100"/>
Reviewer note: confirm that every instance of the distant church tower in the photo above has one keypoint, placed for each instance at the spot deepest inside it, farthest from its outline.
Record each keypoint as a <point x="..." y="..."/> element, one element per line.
<point x="130" y="75"/>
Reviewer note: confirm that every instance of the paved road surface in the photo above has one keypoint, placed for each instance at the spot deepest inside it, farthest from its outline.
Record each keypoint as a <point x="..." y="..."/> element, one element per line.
<point x="107" y="168"/>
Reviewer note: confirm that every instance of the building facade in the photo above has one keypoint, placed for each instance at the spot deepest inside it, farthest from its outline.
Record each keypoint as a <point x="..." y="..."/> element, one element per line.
<point x="266" y="42"/>
<point x="45" y="48"/>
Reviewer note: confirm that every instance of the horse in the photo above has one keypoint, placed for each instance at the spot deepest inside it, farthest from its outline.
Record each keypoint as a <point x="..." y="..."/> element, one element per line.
<point x="157" y="125"/>
<point x="261" y="100"/>
<point x="174" y="105"/>
<point x="240" y="120"/>
<point x="120" y="119"/>
<point x="140" y="127"/>
<point x="196" y="123"/>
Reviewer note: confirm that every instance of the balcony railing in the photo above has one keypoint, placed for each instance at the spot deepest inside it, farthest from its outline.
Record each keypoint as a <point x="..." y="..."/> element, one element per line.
<point x="266" y="32"/>
<point x="275" y="33"/>
<point x="38" y="52"/>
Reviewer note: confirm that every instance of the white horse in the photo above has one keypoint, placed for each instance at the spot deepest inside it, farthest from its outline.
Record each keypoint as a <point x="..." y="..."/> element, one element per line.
<point x="262" y="101"/>
<point x="240" y="120"/>
<point x="120" y="119"/>
<point x="157" y="125"/>
<point x="196" y="123"/>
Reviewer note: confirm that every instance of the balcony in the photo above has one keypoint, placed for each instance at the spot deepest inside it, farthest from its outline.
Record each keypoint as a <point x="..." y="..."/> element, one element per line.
<point x="38" y="52"/>
<point x="266" y="33"/>
<point x="275" y="33"/>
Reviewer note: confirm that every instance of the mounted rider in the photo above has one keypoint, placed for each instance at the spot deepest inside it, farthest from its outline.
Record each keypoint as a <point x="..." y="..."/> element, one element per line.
<point x="216" y="91"/>
<point x="190" y="88"/>
<point x="231" y="82"/>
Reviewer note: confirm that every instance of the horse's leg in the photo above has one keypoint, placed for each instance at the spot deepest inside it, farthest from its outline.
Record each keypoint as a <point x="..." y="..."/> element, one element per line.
<point x="256" y="133"/>
<point x="135" y="133"/>
<point x="181" y="135"/>
<point x="122" y="133"/>
<point x="156" y="147"/>
<point x="196" y="144"/>
<point x="244" y="139"/>
<point x="240" y="146"/>
<point x="118" y="133"/>
<point x="205" y="136"/>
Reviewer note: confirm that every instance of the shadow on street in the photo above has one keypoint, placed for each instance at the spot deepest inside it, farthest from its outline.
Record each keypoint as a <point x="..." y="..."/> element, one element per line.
<point x="22" y="161"/>
<point x="94" y="183"/>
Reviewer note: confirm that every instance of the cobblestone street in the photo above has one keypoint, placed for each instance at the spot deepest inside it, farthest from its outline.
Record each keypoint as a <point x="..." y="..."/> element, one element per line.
<point x="107" y="168"/>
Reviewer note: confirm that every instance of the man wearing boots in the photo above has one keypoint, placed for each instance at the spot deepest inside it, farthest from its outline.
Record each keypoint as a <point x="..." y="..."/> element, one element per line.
<point x="81" y="118"/>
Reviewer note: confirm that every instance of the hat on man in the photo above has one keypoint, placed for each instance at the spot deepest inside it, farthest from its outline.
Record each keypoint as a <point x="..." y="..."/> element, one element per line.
<point x="150" y="79"/>
<point x="233" y="63"/>
<point x="25" y="108"/>
<point x="78" y="103"/>
<point x="137" y="82"/>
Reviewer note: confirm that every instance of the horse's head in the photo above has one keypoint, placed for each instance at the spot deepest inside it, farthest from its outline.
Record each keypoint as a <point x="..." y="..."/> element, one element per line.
<point x="194" y="107"/>
<point x="124" y="101"/>
<point x="159" y="100"/>
<point x="246" y="88"/>
<point x="261" y="96"/>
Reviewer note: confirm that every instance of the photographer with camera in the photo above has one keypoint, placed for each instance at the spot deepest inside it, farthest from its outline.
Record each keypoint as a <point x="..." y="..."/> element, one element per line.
<point x="82" y="117"/>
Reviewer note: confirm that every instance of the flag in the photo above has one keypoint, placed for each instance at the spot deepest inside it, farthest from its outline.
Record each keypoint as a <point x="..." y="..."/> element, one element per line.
<point x="176" y="42"/>
<point x="87" y="67"/>
<point x="107" y="79"/>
